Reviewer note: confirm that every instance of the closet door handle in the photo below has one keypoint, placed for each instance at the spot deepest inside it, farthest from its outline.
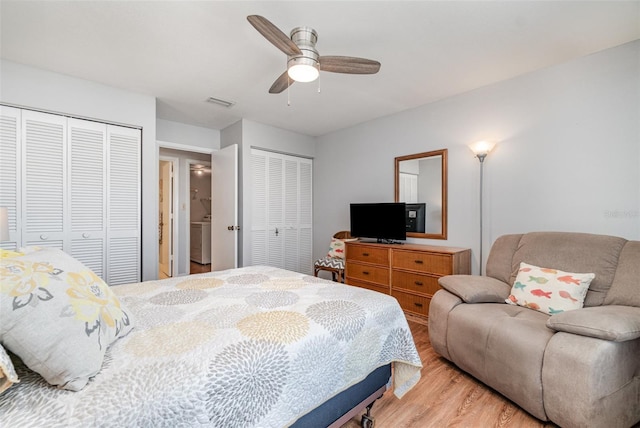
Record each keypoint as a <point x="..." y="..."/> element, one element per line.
<point x="86" y="235"/>
<point x="44" y="237"/>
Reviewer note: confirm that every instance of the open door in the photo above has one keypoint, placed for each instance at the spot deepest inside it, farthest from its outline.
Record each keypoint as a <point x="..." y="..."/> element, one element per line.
<point x="224" y="208"/>
<point x="166" y="219"/>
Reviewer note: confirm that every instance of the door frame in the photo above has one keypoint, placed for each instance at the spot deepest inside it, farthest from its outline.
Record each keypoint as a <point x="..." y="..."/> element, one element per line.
<point x="175" y="165"/>
<point x="179" y="187"/>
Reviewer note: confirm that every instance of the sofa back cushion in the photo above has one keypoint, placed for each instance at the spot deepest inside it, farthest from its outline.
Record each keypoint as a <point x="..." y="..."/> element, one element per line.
<point x="572" y="252"/>
<point x="625" y="289"/>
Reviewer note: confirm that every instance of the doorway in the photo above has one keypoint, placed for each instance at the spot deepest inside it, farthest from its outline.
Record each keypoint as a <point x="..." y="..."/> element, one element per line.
<point x="200" y="216"/>
<point x="219" y="168"/>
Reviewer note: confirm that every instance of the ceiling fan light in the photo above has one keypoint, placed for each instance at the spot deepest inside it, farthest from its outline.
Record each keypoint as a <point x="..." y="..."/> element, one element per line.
<point x="303" y="73"/>
<point x="303" y="69"/>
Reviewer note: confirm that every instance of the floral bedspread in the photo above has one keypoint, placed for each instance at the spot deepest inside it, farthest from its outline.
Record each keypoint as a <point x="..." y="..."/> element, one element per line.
<point x="255" y="346"/>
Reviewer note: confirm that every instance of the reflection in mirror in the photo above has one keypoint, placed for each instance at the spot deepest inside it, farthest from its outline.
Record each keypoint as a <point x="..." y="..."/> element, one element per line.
<point x="421" y="182"/>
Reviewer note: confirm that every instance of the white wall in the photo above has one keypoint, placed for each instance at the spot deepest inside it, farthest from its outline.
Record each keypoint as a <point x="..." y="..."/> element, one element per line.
<point x="568" y="154"/>
<point x="39" y="89"/>
<point x="188" y="136"/>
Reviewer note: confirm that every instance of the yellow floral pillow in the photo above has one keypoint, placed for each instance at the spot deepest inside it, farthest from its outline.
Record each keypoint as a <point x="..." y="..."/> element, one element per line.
<point x="58" y="316"/>
<point x="8" y="374"/>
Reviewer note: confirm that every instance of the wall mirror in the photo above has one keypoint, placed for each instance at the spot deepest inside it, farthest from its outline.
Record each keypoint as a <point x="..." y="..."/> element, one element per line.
<point x="421" y="182"/>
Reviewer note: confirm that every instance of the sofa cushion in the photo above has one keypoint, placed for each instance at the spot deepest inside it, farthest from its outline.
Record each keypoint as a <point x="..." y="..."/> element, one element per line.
<point x="572" y="252"/>
<point x="475" y="289"/>
<point x="503" y="346"/>
<point x="549" y="291"/>
<point x="609" y="322"/>
<point x="625" y="289"/>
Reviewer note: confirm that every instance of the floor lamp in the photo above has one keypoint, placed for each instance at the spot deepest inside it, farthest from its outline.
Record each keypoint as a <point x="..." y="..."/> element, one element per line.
<point x="481" y="149"/>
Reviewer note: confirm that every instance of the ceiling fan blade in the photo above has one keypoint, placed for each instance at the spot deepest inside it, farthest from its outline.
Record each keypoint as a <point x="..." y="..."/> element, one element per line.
<point x="348" y="64"/>
<point x="281" y="83"/>
<point x="274" y="35"/>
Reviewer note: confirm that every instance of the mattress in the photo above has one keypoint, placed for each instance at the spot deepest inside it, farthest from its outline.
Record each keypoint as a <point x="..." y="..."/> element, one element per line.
<point x="255" y="346"/>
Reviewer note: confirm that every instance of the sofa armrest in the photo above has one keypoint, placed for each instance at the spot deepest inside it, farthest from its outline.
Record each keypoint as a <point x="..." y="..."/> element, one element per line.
<point x="476" y="289"/>
<point x="610" y="322"/>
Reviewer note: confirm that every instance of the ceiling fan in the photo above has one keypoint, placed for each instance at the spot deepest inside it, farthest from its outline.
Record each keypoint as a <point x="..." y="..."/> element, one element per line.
<point x="304" y="63"/>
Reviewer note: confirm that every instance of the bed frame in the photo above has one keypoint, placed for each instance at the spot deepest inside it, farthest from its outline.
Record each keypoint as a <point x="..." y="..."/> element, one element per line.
<point x="340" y="409"/>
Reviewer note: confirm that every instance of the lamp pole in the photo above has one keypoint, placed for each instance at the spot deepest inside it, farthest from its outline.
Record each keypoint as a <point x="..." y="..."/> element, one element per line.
<point x="481" y="149"/>
<point x="481" y="157"/>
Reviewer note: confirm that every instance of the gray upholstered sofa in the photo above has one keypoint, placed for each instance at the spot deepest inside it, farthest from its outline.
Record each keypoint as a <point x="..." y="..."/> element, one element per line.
<point x="578" y="368"/>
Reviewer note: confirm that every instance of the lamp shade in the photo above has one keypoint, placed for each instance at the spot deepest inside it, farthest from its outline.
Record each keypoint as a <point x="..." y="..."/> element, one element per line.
<point x="482" y="148"/>
<point x="4" y="224"/>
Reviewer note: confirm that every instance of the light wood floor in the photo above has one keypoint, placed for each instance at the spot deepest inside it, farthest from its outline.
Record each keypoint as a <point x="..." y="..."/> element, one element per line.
<point x="198" y="268"/>
<point x="446" y="397"/>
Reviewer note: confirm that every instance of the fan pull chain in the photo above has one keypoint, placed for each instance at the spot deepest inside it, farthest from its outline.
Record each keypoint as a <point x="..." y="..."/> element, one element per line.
<point x="318" y="83"/>
<point x="288" y="86"/>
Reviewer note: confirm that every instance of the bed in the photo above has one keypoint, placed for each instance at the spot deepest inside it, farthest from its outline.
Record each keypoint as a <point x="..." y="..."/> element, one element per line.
<point x="254" y="346"/>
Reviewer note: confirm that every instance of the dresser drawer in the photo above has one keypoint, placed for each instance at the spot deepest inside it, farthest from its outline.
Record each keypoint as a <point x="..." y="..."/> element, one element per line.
<point x="439" y="264"/>
<point x="379" y="256"/>
<point x="362" y="272"/>
<point x="412" y="303"/>
<point x="375" y="287"/>
<point x="420" y="283"/>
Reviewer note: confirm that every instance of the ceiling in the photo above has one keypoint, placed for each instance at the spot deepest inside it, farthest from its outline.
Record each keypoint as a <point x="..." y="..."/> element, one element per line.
<point x="183" y="52"/>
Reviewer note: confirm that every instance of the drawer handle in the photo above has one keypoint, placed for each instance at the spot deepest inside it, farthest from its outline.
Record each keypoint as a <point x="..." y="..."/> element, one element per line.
<point x="364" y="272"/>
<point x="419" y="262"/>
<point x="419" y="283"/>
<point x="418" y="304"/>
<point x="365" y="254"/>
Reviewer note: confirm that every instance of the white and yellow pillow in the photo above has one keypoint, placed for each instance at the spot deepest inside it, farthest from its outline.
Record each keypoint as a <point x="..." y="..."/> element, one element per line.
<point x="58" y="316"/>
<point x="8" y="374"/>
<point x="550" y="291"/>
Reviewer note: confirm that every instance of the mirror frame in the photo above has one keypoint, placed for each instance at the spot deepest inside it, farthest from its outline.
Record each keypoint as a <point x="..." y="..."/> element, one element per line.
<point x="443" y="153"/>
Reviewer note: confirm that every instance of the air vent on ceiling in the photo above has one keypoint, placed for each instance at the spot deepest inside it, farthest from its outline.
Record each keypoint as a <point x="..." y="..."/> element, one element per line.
<point x="220" y="102"/>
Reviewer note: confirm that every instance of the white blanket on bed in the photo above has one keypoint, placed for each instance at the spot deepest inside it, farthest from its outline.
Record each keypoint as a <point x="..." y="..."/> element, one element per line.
<point x="255" y="346"/>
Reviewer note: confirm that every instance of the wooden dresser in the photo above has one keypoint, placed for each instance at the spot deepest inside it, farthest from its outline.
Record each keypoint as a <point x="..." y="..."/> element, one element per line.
<point x="408" y="272"/>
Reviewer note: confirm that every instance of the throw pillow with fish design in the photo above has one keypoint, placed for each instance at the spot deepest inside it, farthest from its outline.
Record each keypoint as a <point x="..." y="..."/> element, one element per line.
<point x="549" y="290"/>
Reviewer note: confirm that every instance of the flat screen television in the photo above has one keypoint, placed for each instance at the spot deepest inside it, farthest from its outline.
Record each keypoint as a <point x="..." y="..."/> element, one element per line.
<point x="415" y="218"/>
<point x="384" y="222"/>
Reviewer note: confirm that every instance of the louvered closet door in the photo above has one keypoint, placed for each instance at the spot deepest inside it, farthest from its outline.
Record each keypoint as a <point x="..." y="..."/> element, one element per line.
<point x="275" y="211"/>
<point x="290" y="208"/>
<point x="123" y="201"/>
<point x="259" y="227"/>
<point x="87" y="193"/>
<point x="44" y="179"/>
<point x="305" y="217"/>
<point x="10" y="135"/>
<point x="281" y="211"/>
